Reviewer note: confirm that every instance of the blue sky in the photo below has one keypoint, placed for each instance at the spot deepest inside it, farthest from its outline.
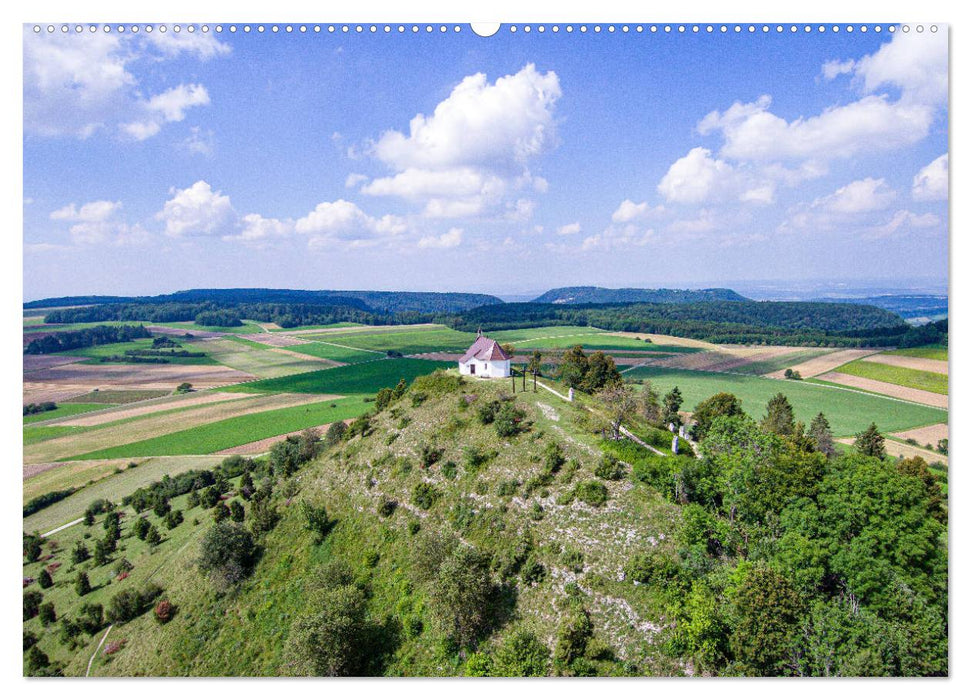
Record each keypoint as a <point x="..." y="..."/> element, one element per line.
<point x="506" y="164"/>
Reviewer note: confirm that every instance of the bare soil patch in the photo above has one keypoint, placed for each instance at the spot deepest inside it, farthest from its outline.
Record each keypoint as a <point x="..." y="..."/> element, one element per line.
<point x="918" y="363"/>
<point x="323" y="361"/>
<point x="823" y="363"/>
<point x="32" y="363"/>
<point x="897" y="449"/>
<point x="927" y="435"/>
<point x="38" y="392"/>
<point x="180" y="401"/>
<point x="31" y="470"/>
<point x="927" y="398"/>
<point x="140" y="376"/>
<point x="277" y="340"/>
<point x="666" y="339"/>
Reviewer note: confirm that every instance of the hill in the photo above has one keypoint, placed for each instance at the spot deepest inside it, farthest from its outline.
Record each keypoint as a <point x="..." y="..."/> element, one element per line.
<point x="602" y="295"/>
<point x="463" y="530"/>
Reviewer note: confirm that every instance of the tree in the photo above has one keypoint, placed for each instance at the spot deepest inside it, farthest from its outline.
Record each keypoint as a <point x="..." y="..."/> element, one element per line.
<point x="335" y="433"/>
<point x="521" y="654"/>
<point x="719" y="405"/>
<point x="509" y="419"/>
<point x="382" y="399"/>
<point x="650" y="404"/>
<point x="82" y="586"/>
<point x="779" y="417"/>
<point x="153" y="537"/>
<point x="821" y="435"/>
<point x="316" y="520"/>
<point x="32" y="602"/>
<point x="672" y="404"/>
<point x="33" y="545"/>
<point x="79" y="553"/>
<point x="228" y="553"/>
<point x="621" y="405"/>
<point x="767" y="612"/>
<point x="263" y="517"/>
<point x="236" y="512"/>
<point x="220" y="512"/>
<point x="399" y="390"/>
<point x="173" y="519"/>
<point x="164" y="611"/>
<point x="601" y="372"/>
<point x="102" y="551"/>
<point x="917" y="467"/>
<point x="37" y="660"/>
<point x="870" y="442"/>
<point x="463" y="591"/>
<point x="535" y="365"/>
<point x="161" y="507"/>
<point x="46" y="614"/>
<point x="140" y="528"/>
<point x="183" y="388"/>
<point x="573" y="367"/>
<point x="44" y="579"/>
<point x="329" y="639"/>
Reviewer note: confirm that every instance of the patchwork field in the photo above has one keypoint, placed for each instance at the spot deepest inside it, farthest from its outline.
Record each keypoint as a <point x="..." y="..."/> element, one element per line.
<point x="823" y="363"/>
<point x="148" y="407"/>
<point x="221" y="435"/>
<point x="927" y="435"/>
<point x="260" y="360"/>
<point x="139" y="376"/>
<point x="848" y="411"/>
<point x="94" y="355"/>
<point x="930" y="352"/>
<point x="900" y="376"/>
<point x="342" y="354"/>
<point x="921" y="364"/>
<point x="62" y="411"/>
<point x="362" y="378"/>
<point x="407" y="342"/>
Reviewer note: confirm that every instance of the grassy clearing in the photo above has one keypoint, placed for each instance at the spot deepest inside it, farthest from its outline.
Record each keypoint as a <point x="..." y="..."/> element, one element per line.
<point x="109" y="397"/>
<point x="221" y="435"/>
<point x="96" y="352"/>
<point x="407" y="342"/>
<point x="64" y="410"/>
<point x="363" y="378"/>
<point x="336" y="353"/>
<point x="848" y="412"/>
<point x="927" y="352"/>
<point x="259" y="360"/>
<point x="113" y="487"/>
<point x="901" y="376"/>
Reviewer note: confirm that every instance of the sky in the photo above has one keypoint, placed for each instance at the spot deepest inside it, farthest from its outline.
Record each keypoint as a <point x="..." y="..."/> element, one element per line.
<point x="451" y="162"/>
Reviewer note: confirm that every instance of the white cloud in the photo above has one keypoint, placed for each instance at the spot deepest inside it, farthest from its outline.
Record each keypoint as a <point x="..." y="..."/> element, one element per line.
<point x="695" y="178"/>
<point x="199" y="141"/>
<point x="344" y="222"/>
<point x="471" y="154"/>
<point x="901" y="222"/>
<point x="852" y="207"/>
<point x="95" y="223"/>
<point x="255" y="231"/>
<point x="569" y="229"/>
<point x="834" y="68"/>
<point x="628" y="211"/>
<point x="930" y="184"/>
<point x="857" y="197"/>
<point x="197" y="211"/>
<point x="92" y="212"/>
<point x="617" y="238"/>
<point x="355" y="179"/>
<point x="449" y="239"/>
<point x="169" y="106"/>
<point x="78" y="84"/>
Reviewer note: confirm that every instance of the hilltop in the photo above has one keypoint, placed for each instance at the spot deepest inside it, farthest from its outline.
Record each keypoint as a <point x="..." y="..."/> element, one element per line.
<point x="603" y="295"/>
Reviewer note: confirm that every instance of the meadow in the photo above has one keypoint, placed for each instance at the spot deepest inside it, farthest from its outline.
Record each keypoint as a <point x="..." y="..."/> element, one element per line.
<point x="337" y="353"/>
<point x="848" y="411"/>
<point x="901" y="376"/>
<point x="95" y="353"/>
<point x="927" y="352"/>
<point x="64" y="410"/>
<point x="407" y="342"/>
<point x="362" y="378"/>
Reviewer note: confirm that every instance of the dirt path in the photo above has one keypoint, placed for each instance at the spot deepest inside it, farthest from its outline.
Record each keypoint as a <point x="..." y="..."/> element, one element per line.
<point x="100" y="644"/>
<point x="824" y="363"/>
<point x="928" y="398"/>
<point x="62" y="527"/>
<point x="918" y="363"/>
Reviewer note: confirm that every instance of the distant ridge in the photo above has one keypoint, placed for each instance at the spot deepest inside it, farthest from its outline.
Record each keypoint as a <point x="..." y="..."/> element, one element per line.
<point x="602" y="295"/>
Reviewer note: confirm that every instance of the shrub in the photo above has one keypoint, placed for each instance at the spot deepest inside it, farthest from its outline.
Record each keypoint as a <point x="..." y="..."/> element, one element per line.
<point x="80" y="553"/>
<point x="593" y="493"/>
<point x="316" y="520"/>
<point x="429" y="455"/>
<point x="371" y="559"/>
<point x="650" y="568"/>
<point x="123" y="566"/>
<point x="82" y="586"/>
<point x="152" y="536"/>
<point x="509" y="420"/>
<point x="228" y="553"/>
<point x="520" y="654"/>
<point x="263" y="517"/>
<point x="236" y="512"/>
<point x="532" y="571"/>
<point x="37" y="660"/>
<point x="32" y="602"/>
<point x="476" y="457"/>
<point x="46" y="613"/>
<point x="44" y="579"/>
<point x="572" y="636"/>
<point x="387" y="507"/>
<point x="44" y="500"/>
<point x="462" y="593"/>
<point x="140" y="528"/>
<point x="173" y="519"/>
<point x="425" y="495"/>
<point x="30" y="639"/>
<point x="609" y="468"/>
<point x="33" y="545"/>
<point x="164" y="610"/>
<point x="329" y="638"/>
<point x="161" y="507"/>
<point x="449" y="470"/>
<point x="209" y="497"/>
<point x="486" y="412"/>
<point x="91" y="617"/>
<point x="508" y="488"/>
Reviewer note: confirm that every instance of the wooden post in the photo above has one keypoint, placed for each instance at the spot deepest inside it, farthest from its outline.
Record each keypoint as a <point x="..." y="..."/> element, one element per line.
<point x="512" y="375"/>
<point x="524" y="377"/>
<point x="534" y="382"/>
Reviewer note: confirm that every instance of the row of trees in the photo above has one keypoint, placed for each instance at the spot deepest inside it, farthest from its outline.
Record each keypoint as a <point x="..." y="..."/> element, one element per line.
<point x="85" y="338"/>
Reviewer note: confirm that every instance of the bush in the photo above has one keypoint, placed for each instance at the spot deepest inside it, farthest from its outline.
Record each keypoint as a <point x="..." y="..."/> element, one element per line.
<point x="44" y="579"/>
<point x="129" y="604"/>
<point x="462" y="594"/>
<point x="486" y="412"/>
<point x="91" y="617"/>
<point x="425" y="495"/>
<point x="593" y="493"/>
<point x="520" y="654"/>
<point x="236" y="512"/>
<point x="572" y="559"/>
<point x="37" y="660"/>
<point x="44" y="500"/>
<point x="509" y="420"/>
<point x="152" y="536"/>
<point x="164" y="611"/>
<point x="329" y="638"/>
<point x="428" y="455"/>
<point x="609" y="468"/>
<point x="335" y="433"/>
<point x="140" y="528"/>
<point x="32" y="602"/>
<point x="508" y="488"/>
<point x="33" y="544"/>
<point x="650" y="568"/>
<point x="46" y="614"/>
<point x="82" y="586"/>
<point x="449" y="470"/>
<point x="316" y="520"/>
<point x="387" y="507"/>
<point x="228" y="553"/>
<point x="476" y="457"/>
<point x="173" y="519"/>
<point x="263" y="517"/>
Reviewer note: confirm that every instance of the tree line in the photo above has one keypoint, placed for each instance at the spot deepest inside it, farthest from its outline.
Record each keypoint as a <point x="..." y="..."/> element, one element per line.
<point x="85" y="338"/>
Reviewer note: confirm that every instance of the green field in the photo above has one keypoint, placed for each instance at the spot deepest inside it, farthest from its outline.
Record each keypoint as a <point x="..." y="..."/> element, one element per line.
<point x="781" y="362"/>
<point x="257" y="359"/>
<point x="39" y="433"/>
<point x="96" y="352"/>
<point x="363" y="378"/>
<point x="117" y="396"/>
<point x="247" y="327"/>
<point x="337" y="353"/>
<point x="342" y="324"/>
<point x="901" y="376"/>
<point x="407" y="342"/>
<point x="849" y="412"/>
<point x="928" y="352"/>
<point x="64" y="410"/>
<point x="221" y="435"/>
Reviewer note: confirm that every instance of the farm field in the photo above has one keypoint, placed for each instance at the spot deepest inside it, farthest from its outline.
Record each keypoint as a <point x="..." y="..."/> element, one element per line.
<point x="362" y="378"/>
<point x="407" y="342"/>
<point x="929" y="352"/>
<point x="848" y="411"/>
<point x="901" y="376"/>
<point x="152" y="406"/>
<point x="96" y="352"/>
<point x="338" y="353"/>
<point x="63" y="410"/>
<point x="918" y="363"/>
<point x="221" y="435"/>
<point x="259" y="360"/>
<point x="324" y="327"/>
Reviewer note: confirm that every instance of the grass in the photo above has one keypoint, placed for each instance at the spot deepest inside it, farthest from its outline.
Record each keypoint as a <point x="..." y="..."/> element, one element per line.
<point x="39" y="433"/>
<point x="231" y="432"/>
<point x="848" y="412"/>
<point x="256" y="359"/>
<point x="363" y="378"/>
<point x="927" y="352"/>
<point x="247" y="327"/>
<point x="782" y="362"/>
<point x="342" y="324"/>
<point x="336" y="353"/>
<point x="111" y="486"/>
<point x="96" y="352"/>
<point x="109" y="397"/>
<point x="407" y="342"/>
<point x="901" y="376"/>
<point x="64" y="410"/>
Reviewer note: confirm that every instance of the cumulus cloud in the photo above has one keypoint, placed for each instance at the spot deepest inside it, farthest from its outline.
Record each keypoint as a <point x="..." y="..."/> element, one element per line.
<point x="449" y="239"/>
<point x="903" y="221"/>
<point x="629" y="211"/>
<point x="197" y="211"/>
<point x="96" y="222"/>
<point x="930" y="184"/>
<point x="354" y="179"/>
<point x="255" y="231"/>
<point x="78" y="84"/>
<point x="696" y="177"/>
<point x="569" y="229"/>
<point x="471" y="155"/>
<point x="168" y="106"/>
<point x="344" y="222"/>
<point x="860" y="196"/>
